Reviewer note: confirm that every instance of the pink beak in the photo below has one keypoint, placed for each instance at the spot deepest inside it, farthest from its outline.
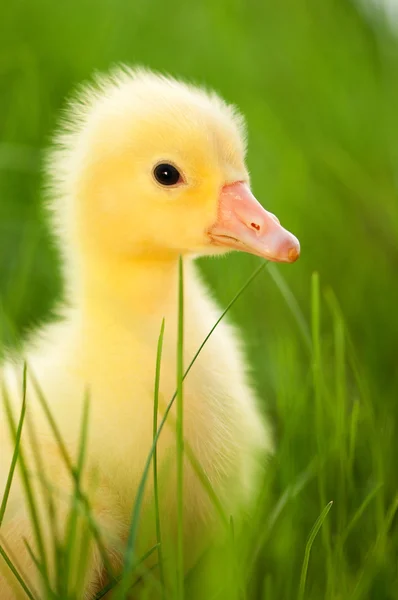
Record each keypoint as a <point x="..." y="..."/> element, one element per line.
<point x="243" y="224"/>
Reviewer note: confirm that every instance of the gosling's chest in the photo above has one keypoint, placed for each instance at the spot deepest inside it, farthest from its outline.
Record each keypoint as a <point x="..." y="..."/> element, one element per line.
<point x="122" y="437"/>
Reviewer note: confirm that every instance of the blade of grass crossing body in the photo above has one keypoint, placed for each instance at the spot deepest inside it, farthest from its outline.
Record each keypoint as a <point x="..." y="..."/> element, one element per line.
<point x="86" y="537"/>
<point x="205" y="482"/>
<point x="319" y="420"/>
<point x="14" y="459"/>
<point x="110" y="586"/>
<point x="30" y="496"/>
<point x="202" y="476"/>
<point x="129" y="554"/>
<point x="70" y="542"/>
<point x="68" y="462"/>
<point x="54" y="426"/>
<point x="311" y="538"/>
<point x="50" y="505"/>
<point x="155" y="457"/>
<point x="21" y="580"/>
<point x="49" y="594"/>
<point x="180" y="435"/>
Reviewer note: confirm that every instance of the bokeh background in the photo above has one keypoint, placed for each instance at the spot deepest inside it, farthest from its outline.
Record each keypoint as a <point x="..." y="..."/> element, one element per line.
<point x="318" y="83"/>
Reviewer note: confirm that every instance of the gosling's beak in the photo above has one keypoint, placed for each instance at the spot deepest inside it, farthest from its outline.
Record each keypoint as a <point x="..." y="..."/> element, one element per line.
<point x="243" y="224"/>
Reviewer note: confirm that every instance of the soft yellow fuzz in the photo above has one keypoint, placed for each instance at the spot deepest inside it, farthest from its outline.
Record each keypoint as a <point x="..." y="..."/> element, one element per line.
<point x="121" y="235"/>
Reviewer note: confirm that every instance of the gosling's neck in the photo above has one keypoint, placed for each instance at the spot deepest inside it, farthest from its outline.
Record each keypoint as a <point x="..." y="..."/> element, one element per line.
<point x="133" y="289"/>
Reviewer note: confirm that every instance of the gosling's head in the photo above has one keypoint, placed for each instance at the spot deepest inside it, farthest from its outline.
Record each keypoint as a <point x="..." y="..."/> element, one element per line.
<point x="149" y="166"/>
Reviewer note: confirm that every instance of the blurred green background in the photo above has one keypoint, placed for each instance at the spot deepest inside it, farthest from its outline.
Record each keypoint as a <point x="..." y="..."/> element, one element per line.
<point x="318" y="83"/>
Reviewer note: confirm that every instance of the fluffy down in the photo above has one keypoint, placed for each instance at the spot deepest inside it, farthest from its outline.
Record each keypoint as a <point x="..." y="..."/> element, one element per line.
<point x="121" y="234"/>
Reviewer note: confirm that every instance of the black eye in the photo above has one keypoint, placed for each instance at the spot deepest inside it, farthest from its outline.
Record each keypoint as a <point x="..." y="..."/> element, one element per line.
<point x="166" y="174"/>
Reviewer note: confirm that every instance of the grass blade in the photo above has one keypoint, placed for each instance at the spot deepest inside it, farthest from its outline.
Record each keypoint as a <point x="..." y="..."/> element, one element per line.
<point x="31" y="500"/>
<point x="86" y="539"/>
<point x="109" y="586"/>
<point x="312" y="536"/>
<point x="292" y="303"/>
<point x="155" y="455"/>
<point x="359" y="512"/>
<point x="375" y="555"/>
<point x="205" y="481"/>
<point x="50" y="595"/>
<point x="50" y="504"/>
<point x="14" y="460"/>
<point x="10" y="564"/>
<point x="180" y="436"/>
<point x="74" y="473"/>
<point x="317" y="378"/>
<point x="290" y="493"/>
<point x="70" y="543"/>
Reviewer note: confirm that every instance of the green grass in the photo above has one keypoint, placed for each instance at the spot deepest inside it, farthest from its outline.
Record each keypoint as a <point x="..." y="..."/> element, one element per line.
<point x="155" y="456"/>
<point x="180" y="436"/>
<point x="318" y="83"/>
<point x="318" y="524"/>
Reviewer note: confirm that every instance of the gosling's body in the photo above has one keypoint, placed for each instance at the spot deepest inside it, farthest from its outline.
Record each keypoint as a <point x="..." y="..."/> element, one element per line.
<point x="121" y="235"/>
<point x="113" y="357"/>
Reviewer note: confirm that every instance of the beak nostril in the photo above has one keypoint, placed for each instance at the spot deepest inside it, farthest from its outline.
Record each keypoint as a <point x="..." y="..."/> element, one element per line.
<point x="255" y="226"/>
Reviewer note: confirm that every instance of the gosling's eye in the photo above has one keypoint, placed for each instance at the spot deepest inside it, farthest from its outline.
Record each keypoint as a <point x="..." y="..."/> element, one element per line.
<point x="166" y="174"/>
